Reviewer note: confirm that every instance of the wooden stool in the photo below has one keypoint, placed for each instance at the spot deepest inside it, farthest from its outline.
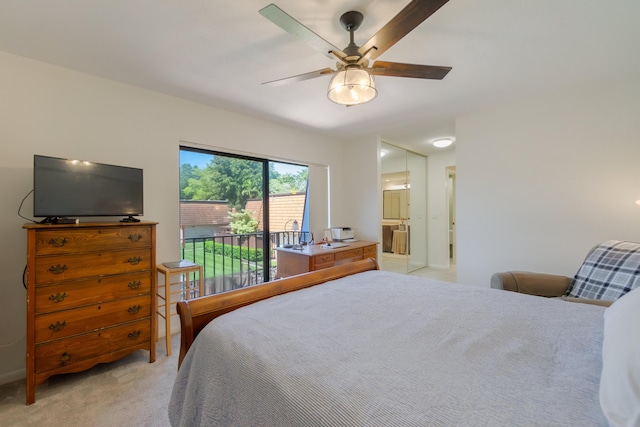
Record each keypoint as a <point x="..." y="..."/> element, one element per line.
<point x="188" y="291"/>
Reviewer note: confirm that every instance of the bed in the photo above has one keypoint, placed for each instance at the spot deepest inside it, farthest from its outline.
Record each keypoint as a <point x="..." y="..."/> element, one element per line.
<point x="356" y="346"/>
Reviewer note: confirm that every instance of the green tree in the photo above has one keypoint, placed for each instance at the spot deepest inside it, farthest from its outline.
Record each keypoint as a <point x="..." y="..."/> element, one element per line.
<point x="187" y="172"/>
<point x="243" y="222"/>
<point x="232" y="179"/>
<point x="224" y="178"/>
<point x="236" y="180"/>
<point x="289" y="183"/>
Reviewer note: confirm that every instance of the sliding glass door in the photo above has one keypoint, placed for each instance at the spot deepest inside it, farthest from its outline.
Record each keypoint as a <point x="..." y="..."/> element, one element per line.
<point x="227" y="222"/>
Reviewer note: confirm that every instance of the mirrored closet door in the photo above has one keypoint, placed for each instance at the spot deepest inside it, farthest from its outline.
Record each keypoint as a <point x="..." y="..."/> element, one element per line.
<point x="417" y="187"/>
<point x="404" y="207"/>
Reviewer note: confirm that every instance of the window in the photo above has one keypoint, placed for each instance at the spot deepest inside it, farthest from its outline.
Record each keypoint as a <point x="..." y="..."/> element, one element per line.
<point x="226" y="222"/>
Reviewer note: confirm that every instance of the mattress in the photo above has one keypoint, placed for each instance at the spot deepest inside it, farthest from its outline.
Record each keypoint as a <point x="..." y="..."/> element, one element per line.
<point x="385" y="349"/>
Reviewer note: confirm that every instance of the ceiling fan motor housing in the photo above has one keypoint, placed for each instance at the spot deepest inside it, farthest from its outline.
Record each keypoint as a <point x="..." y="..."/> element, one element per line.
<point x="351" y="20"/>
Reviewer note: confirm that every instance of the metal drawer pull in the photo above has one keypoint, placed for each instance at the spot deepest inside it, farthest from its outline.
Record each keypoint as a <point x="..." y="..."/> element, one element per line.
<point x="134" y="309"/>
<point x="59" y="297"/>
<point x="58" y="326"/>
<point x="135" y="285"/>
<point x="135" y="260"/>
<point x="134" y="335"/>
<point x="65" y="359"/>
<point x="135" y="237"/>
<point x="58" y="269"/>
<point x="58" y="241"/>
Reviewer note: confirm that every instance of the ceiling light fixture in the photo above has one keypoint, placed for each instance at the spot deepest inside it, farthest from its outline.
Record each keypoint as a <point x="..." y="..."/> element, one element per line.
<point x="442" y="142"/>
<point x="352" y="86"/>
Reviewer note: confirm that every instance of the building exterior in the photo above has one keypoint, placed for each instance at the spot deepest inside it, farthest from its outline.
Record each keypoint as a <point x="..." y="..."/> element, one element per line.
<point x="284" y="209"/>
<point x="206" y="218"/>
<point x="203" y="218"/>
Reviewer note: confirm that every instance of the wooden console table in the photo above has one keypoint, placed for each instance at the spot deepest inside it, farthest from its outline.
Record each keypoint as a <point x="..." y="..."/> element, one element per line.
<point x="315" y="257"/>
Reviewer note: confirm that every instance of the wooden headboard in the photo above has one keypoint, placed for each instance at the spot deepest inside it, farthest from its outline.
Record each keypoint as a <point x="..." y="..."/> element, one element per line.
<point x="196" y="313"/>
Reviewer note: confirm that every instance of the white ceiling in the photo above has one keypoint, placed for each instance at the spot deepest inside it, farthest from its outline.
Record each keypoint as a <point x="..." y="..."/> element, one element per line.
<point x="219" y="52"/>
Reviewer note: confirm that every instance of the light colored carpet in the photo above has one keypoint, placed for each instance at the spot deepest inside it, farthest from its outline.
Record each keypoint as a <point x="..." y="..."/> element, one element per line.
<point x="128" y="392"/>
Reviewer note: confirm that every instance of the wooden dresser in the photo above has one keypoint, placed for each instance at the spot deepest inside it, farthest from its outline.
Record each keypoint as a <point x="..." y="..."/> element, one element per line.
<point x="315" y="257"/>
<point x="90" y="296"/>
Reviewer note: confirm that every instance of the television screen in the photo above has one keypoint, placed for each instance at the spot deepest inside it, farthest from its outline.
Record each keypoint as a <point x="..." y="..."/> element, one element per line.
<point x="72" y="188"/>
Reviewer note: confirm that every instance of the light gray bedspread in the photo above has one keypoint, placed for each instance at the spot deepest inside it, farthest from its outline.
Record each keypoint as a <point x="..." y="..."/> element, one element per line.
<point x="385" y="349"/>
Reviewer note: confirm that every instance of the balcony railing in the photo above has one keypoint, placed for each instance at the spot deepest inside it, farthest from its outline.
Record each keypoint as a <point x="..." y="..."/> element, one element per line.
<point x="233" y="261"/>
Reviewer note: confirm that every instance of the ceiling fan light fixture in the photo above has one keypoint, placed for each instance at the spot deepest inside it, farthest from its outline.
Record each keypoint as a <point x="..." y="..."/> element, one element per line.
<point x="352" y="86"/>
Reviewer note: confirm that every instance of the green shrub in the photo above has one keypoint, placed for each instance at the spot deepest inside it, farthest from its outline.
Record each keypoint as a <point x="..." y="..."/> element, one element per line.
<point x="233" y="251"/>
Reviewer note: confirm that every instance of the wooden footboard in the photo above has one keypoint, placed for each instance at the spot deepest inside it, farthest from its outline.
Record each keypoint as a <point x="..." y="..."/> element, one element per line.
<point x="196" y="313"/>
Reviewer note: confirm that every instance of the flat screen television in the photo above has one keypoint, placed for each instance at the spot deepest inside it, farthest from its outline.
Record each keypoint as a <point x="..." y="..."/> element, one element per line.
<point x="77" y="188"/>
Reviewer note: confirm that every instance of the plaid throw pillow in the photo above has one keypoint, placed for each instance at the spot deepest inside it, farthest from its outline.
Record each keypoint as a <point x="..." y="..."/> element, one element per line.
<point x="610" y="270"/>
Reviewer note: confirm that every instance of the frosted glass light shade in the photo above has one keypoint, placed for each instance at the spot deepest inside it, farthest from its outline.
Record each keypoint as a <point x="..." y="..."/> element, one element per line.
<point x="352" y="86"/>
<point x="442" y="142"/>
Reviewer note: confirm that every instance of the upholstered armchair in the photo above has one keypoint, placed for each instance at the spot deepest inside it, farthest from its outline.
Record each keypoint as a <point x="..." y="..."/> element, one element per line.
<point x="609" y="271"/>
<point x="540" y="284"/>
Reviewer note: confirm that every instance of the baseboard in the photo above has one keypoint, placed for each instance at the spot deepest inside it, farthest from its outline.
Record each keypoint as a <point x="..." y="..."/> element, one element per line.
<point x="10" y="377"/>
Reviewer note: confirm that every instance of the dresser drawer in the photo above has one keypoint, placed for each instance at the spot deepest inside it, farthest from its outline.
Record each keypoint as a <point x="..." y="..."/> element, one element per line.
<point x="85" y="292"/>
<point x="70" y="240"/>
<point x="349" y="254"/>
<point x="66" y="352"/>
<point x="370" y="252"/>
<point x="65" y="323"/>
<point x="58" y="268"/>
<point x="323" y="261"/>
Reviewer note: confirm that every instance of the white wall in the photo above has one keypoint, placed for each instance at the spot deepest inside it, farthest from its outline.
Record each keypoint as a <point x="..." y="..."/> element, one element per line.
<point x="59" y="112"/>
<point x="437" y="206"/>
<point x="360" y="183"/>
<point x="541" y="181"/>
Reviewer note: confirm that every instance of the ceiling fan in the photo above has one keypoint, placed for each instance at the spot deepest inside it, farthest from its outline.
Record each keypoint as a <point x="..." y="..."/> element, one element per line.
<point x="352" y="81"/>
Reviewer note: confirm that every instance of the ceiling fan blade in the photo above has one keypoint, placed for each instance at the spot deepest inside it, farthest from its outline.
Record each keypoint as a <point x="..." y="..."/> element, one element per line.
<point x="401" y="25"/>
<point x="300" y="77"/>
<point x="285" y="21"/>
<point x="396" y="69"/>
